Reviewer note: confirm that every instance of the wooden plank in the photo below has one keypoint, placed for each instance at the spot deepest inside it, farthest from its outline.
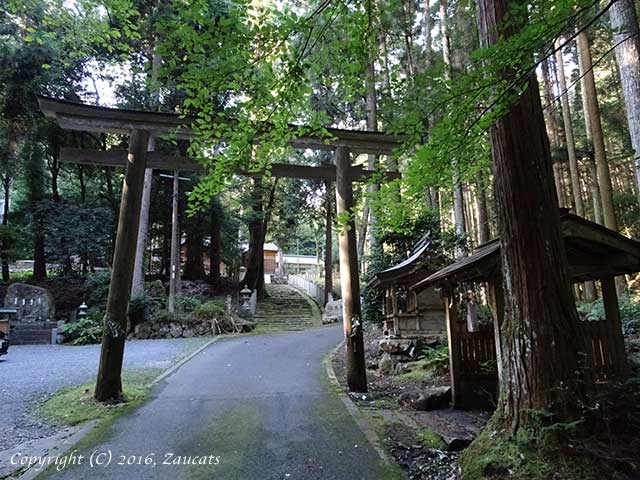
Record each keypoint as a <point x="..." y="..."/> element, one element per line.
<point x="160" y="161"/>
<point x="109" y="384"/>
<point x="78" y="116"/>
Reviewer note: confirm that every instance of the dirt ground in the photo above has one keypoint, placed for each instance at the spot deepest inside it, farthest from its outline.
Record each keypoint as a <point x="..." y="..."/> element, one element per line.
<point x="409" y="436"/>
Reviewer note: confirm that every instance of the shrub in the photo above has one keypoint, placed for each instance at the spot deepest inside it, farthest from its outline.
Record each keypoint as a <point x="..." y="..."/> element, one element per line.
<point x="211" y="310"/>
<point x="187" y="303"/>
<point x="436" y="358"/>
<point x="629" y="313"/>
<point x="84" y="331"/>
<point x="97" y="285"/>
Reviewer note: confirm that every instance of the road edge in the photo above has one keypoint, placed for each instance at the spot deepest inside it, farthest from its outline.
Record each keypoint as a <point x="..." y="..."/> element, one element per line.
<point x="370" y="434"/>
<point x="172" y="369"/>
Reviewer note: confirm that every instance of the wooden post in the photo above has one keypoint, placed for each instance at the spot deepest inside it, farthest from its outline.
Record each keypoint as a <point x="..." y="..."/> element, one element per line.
<point x="109" y="382"/>
<point x="614" y="326"/>
<point x="451" y="316"/>
<point x="174" y="274"/>
<point x="496" y="303"/>
<point x="349" y="279"/>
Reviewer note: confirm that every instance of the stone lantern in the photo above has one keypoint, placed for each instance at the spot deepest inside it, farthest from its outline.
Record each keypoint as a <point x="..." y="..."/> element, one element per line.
<point x="245" y="299"/>
<point x="82" y="311"/>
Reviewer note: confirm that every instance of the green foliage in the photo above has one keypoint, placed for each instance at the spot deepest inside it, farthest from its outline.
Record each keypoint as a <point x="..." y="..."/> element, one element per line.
<point x="629" y="312"/>
<point x="97" y="287"/>
<point x="80" y="230"/>
<point x="436" y="358"/>
<point x="85" y="331"/>
<point x="187" y="303"/>
<point x="212" y="310"/>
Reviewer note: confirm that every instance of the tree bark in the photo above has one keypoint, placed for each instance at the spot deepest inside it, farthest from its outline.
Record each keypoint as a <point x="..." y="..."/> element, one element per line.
<point x="137" y="287"/>
<point x="540" y="349"/>
<point x="328" y="244"/>
<point x="349" y="277"/>
<point x="194" y="264"/>
<point x="4" y="254"/>
<point x="215" y="258"/>
<point x="255" y="253"/>
<point x="592" y="112"/>
<point x="109" y="382"/>
<point x="483" y="218"/>
<point x="626" y="35"/>
<point x="568" y="133"/>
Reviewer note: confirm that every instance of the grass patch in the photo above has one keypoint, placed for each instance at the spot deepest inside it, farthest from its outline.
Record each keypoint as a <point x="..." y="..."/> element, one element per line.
<point x="493" y="455"/>
<point x="75" y="405"/>
<point x="430" y="439"/>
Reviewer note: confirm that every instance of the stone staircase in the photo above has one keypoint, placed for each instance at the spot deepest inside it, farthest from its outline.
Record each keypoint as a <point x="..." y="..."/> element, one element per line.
<point x="286" y="308"/>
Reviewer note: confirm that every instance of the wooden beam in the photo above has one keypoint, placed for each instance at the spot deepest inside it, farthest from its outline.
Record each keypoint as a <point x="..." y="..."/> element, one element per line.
<point x="160" y="161"/>
<point x="349" y="278"/>
<point x="576" y="227"/>
<point x="109" y="383"/>
<point x="78" y="116"/>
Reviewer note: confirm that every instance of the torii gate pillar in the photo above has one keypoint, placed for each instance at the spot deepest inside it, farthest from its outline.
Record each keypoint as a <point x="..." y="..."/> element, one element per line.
<point x="109" y="384"/>
<point x="349" y="278"/>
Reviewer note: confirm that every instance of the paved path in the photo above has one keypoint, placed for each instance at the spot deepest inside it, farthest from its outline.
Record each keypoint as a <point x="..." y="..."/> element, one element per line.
<point x="262" y="404"/>
<point x="31" y="372"/>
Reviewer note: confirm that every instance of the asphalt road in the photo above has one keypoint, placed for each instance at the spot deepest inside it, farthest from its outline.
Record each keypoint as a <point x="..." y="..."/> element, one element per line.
<point x="257" y="407"/>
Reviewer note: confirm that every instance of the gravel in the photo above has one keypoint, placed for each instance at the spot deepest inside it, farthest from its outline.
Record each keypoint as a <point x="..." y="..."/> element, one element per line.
<point x="30" y="373"/>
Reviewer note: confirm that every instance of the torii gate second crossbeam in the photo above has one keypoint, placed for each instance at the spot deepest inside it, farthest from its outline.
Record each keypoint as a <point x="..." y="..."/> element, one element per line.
<point x="140" y="126"/>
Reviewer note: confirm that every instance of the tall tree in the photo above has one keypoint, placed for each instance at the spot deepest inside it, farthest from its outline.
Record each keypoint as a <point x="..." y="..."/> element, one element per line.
<point x="592" y="112"/>
<point x="626" y="38"/>
<point x="539" y="344"/>
<point x="576" y="192"/>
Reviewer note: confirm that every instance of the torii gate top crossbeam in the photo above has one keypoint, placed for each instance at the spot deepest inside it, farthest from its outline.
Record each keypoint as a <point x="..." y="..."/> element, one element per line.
<point x="78" y="116"/>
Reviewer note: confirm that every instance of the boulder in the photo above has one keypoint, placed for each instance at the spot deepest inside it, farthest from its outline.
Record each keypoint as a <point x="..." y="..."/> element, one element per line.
<point x="34" y="304"/>
<point x="143" y="330"/>
<point x="175" y="330"/>
<point x="386" y="364"/>
<point x="188" y="333"/>
<point x="433" y="399"/>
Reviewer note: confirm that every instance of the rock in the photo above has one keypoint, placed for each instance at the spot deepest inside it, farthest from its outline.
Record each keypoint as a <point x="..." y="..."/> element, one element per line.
<point x="188" y="333"/>
<point x="433" y="399"/>
<point x="175" y="330"/>
<point x="34" y="304"/>
<point x="163" y="331"/>
<point x="400" y="368"/>
<point x="456" y="443"/>
<point x="408" y="398"/>
<point x="143" y="330"/>
<point x="386" y="364"/>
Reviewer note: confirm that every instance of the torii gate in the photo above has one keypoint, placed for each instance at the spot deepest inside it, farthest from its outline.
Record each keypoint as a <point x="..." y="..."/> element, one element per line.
<point x="140" y="126"/>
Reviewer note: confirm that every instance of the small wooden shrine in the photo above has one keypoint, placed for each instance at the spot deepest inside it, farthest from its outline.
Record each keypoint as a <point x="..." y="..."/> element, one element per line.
<point x="594" y="253"/>
<point x="411" y="314"/>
